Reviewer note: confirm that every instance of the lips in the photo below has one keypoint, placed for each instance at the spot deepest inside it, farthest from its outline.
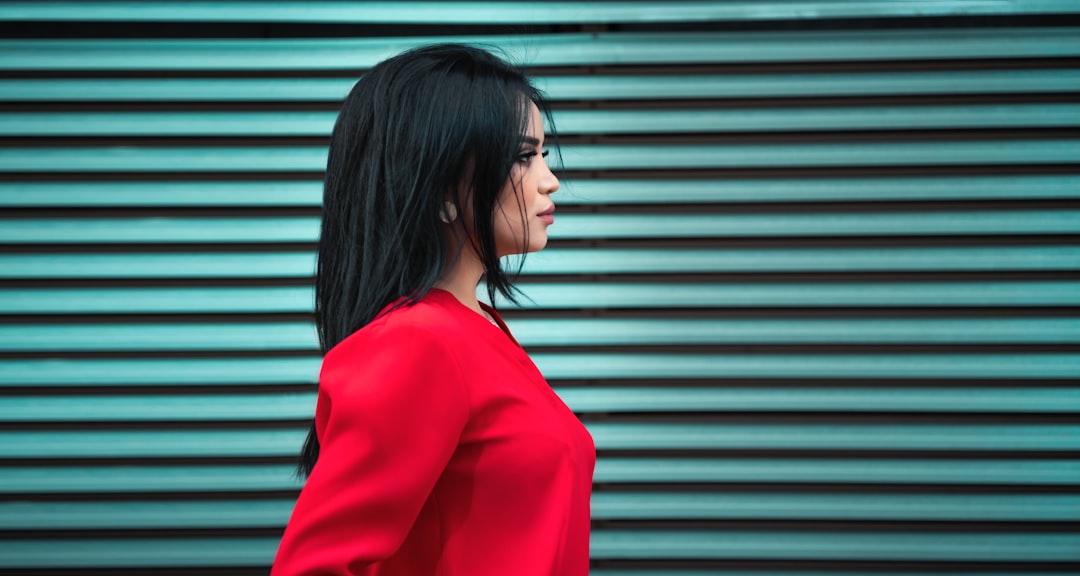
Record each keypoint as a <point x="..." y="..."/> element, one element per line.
<point x="548" y="215"/>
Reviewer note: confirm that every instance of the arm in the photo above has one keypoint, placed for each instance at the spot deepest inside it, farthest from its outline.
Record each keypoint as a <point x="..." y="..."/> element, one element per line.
<point x="390" y="412"/>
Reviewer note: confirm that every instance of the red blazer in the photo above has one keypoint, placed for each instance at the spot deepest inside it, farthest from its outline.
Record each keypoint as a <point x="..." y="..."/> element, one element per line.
<point x="443" y="451"/>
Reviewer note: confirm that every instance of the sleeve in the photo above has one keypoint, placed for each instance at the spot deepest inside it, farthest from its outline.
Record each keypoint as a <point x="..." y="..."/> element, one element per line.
<point x="390" y="413"/>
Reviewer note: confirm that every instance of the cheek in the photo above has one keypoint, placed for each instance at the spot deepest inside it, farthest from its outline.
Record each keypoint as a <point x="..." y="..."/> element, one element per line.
<point x="514" y="218"/>
<point x="506" y="224"/>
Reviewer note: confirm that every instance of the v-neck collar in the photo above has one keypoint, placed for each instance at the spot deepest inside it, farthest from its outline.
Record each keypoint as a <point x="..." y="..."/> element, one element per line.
<point x="447" y="296"/>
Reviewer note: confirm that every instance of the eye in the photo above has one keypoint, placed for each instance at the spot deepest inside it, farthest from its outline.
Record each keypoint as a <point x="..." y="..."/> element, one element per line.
<point x="526" y="156"/>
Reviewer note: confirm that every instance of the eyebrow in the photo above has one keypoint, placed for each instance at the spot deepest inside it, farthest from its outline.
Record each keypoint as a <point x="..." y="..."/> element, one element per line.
<point x="530" y="140"/>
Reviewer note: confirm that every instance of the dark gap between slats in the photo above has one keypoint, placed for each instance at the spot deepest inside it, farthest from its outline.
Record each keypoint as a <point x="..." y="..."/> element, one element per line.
<point x="883" y="527"/>
<point x="648" y="279"/>
<point x="571" y="175"/>
<point x="763" y="419"/>
<point x="142" y="533"/>
<point x="747" y="349"/>
<point x="766" y="242"/>
<point x="151" y="571"/>
<point x="701" y="488"/>
<point x="848" y="454"/>
<point x="626" y="104"/>
<point x="289" y="460"/>
<point x="815" y="566"/>
<point x="214" y="388"/>
<point x="815" y="136"/>
<point x="255" y="28"/>
<point x="822" y="207"/>
<point x="683" y="313"/>
<point x="660" y="70"/>
<point x="686" y="313"/>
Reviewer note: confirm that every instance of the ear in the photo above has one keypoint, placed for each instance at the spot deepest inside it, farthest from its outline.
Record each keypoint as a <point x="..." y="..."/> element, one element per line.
<point x="449" y="213"/>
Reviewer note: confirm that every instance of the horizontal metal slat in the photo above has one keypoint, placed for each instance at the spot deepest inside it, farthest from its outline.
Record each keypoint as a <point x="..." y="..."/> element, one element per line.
<point x="274" y="513"/>
<point x="160" y="229"/>
<point x="279" y="193"/>
<point x="564" y="261"/>
<point x="164" y="265"/>
<point x="297" y="124"/>
<point x="890" y="571"/>
<point x="568" y="226"/>
<point x="558" y="88"/>
<point x="619" y="331"/>
<point x="605" y="543"/>
<point x="156" y="300"/>
<point x="83" y="479"/>
<point x="848" y="118"/>
<point x="152" y="444"/>
<point x="577" y="156"/>
<point x="548" y="50"/>
<point x="631" y="366"/>
<point x="562" y="296"/>
<point x="204" y="371"/>
<point x="459" y="12"/>
<point x="199" y="89"/>
<point x="187" y="408"/>
<point x="557" y="365"/>
<point x="812" y="572"/>
<point x="175" y="337"/>
<point x="87" y="553"/>
<point x="786" y="84"/>
<point x="145" y="515"/>
<point x="573" y="192"/>
<point x="829" y="544"/>
<point x="607" y="436"/>
<point x="143" y="337"/>
<point x="1061" y="221"/>
<point x="882" y="437"/>
<point x="186" y="477"/>
<point x="294" y="406"/>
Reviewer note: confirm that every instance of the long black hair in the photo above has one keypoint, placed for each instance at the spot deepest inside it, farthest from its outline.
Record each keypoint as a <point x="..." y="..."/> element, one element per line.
<point x="413" y="131"/>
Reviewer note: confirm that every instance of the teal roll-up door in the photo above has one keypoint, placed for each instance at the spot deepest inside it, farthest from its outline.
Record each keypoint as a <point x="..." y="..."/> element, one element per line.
<point x="814" y="286"/>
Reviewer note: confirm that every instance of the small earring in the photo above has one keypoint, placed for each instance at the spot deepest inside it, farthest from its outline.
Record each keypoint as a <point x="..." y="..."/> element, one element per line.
<point x="448" y="213"/>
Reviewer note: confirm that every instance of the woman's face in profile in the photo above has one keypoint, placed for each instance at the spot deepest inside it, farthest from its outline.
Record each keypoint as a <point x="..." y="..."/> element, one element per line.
<point x="524" y="209"/>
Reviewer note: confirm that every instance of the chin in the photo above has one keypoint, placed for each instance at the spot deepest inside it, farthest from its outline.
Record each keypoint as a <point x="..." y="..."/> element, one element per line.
<point x="538" y="244"/>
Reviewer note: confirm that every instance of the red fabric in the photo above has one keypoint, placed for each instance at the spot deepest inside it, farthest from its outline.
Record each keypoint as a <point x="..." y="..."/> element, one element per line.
<point x="443" y="451"/>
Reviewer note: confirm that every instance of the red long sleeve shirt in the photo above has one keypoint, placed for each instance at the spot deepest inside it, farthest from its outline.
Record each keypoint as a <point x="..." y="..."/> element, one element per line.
<point x="443" y="451"/>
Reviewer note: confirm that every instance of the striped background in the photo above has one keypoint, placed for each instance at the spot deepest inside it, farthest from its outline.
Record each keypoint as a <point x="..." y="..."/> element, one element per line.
<point x="813" y="287"/>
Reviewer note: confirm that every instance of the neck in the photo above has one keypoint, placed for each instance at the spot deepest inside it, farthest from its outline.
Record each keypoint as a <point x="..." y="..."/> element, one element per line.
<point x="461" y="277"/>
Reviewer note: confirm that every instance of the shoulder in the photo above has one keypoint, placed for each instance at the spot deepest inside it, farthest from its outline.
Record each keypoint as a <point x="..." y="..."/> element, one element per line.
<point x="429" y="328"/>
<point x="404" y="355"/>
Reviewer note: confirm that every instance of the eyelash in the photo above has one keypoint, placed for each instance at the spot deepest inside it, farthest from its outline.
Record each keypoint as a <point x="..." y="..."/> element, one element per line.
<point x="526" y="156"/>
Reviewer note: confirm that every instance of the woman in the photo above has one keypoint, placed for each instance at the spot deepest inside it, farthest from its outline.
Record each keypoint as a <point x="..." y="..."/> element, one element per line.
<point x="440" y="447"/>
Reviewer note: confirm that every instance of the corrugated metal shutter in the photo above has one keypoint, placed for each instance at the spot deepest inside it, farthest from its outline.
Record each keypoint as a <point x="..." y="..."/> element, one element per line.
<point x="813" y="286"/>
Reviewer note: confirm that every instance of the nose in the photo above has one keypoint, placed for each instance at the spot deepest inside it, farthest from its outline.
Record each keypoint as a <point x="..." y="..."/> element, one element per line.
<point x="549" y="184"/>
